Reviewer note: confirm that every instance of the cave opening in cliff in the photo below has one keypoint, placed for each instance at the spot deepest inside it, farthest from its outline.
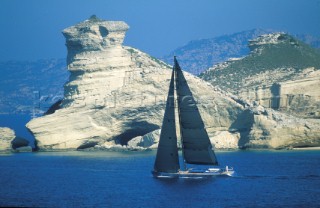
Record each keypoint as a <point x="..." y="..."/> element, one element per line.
<point x="103" y="31"/>
<point x="137" y="129"/>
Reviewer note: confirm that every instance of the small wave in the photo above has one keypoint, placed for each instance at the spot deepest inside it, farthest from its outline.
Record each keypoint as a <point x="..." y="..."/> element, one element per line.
<point x="309" y="177"/>
<point x="250" y="176"/>
<point x="282" y="177"/>
<point x="278" y="177"/>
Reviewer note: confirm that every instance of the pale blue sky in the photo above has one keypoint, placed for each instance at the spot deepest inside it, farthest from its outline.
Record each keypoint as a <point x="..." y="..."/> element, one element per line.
<point x="31" y="29"/>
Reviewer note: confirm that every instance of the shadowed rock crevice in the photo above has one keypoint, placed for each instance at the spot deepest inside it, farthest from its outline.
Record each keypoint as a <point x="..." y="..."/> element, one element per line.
<point x="88" y="144"/>
<point x="19" y="142"/>
<point x="139" y="128"/>
<point x="275" y="90"/>
<point x="54" y="107"/>
<point x="103" y="31"/>
<point x="243" y="125"/>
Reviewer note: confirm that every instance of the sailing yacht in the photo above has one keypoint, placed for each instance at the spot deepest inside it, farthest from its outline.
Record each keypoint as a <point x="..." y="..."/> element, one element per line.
<point x="195" y="142"/>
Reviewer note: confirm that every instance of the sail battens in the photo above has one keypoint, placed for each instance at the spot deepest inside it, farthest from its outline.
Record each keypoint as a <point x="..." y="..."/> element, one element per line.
<point x="167" y="159"/>
<point x="199" y="157"/>
<point x="196" y="145"/>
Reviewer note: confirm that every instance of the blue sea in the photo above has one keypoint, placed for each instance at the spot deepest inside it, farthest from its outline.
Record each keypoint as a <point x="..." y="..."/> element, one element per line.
<point x="123" y="179"/>
<point x="17" y="122"/>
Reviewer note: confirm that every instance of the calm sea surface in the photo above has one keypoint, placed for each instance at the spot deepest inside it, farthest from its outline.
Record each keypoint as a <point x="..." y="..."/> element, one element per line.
<point x="112" y="179"/>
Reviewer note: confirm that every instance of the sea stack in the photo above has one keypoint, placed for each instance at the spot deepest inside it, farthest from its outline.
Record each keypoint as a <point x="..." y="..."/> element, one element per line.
<point x="116" y="93"/>
<point x="6" y="137"/>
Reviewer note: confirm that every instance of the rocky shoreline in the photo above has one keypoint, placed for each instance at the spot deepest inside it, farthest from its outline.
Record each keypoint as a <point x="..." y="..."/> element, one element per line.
<point x="115" y="97"/>
<point x="10" y="143"/>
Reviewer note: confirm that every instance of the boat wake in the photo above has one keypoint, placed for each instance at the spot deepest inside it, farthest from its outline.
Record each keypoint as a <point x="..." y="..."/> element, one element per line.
<point x="278" y="177"/>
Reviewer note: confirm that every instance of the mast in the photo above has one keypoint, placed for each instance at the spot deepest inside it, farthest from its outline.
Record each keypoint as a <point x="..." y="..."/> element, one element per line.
<point x="196" y="145"/>
<point x="175" y="66"/>
<point x="167" y="159"/>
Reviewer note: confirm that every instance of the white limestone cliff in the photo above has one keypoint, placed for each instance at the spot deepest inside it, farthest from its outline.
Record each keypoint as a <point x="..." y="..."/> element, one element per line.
<point x="6" y="137"/>
<point x="280" y="73"/>
<point x="116" y="96"/>
<point x="116" y="93"/>
<point x="276" y="130"/>
<point x="225" y="140"/>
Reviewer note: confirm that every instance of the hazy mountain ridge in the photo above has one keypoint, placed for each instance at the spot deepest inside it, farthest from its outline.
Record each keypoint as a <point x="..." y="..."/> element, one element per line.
<point x="28" y="85"/>
<point x="48" y="76"/>
<point x="199" y="55"/>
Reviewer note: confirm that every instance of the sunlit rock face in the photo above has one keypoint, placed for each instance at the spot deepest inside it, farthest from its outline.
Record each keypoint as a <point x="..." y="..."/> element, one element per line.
<point x="275" y="130"/>
<point x="116" y="93"/>
<point x="280" y="72"/>
<point x="116" y="96"/>
<point x="6" y="136"/>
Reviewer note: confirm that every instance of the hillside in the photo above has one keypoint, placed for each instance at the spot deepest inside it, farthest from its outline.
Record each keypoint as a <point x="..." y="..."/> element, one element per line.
<point x="278" y="66"/>
<point x="199" y="55"/>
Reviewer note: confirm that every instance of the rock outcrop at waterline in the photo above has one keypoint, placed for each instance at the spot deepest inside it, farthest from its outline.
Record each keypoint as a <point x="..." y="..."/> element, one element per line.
<point x="116" y="94"/>
<point x="268" y="128"/>
<point x="6" y="136"/>
<point x="9" y="142"/>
